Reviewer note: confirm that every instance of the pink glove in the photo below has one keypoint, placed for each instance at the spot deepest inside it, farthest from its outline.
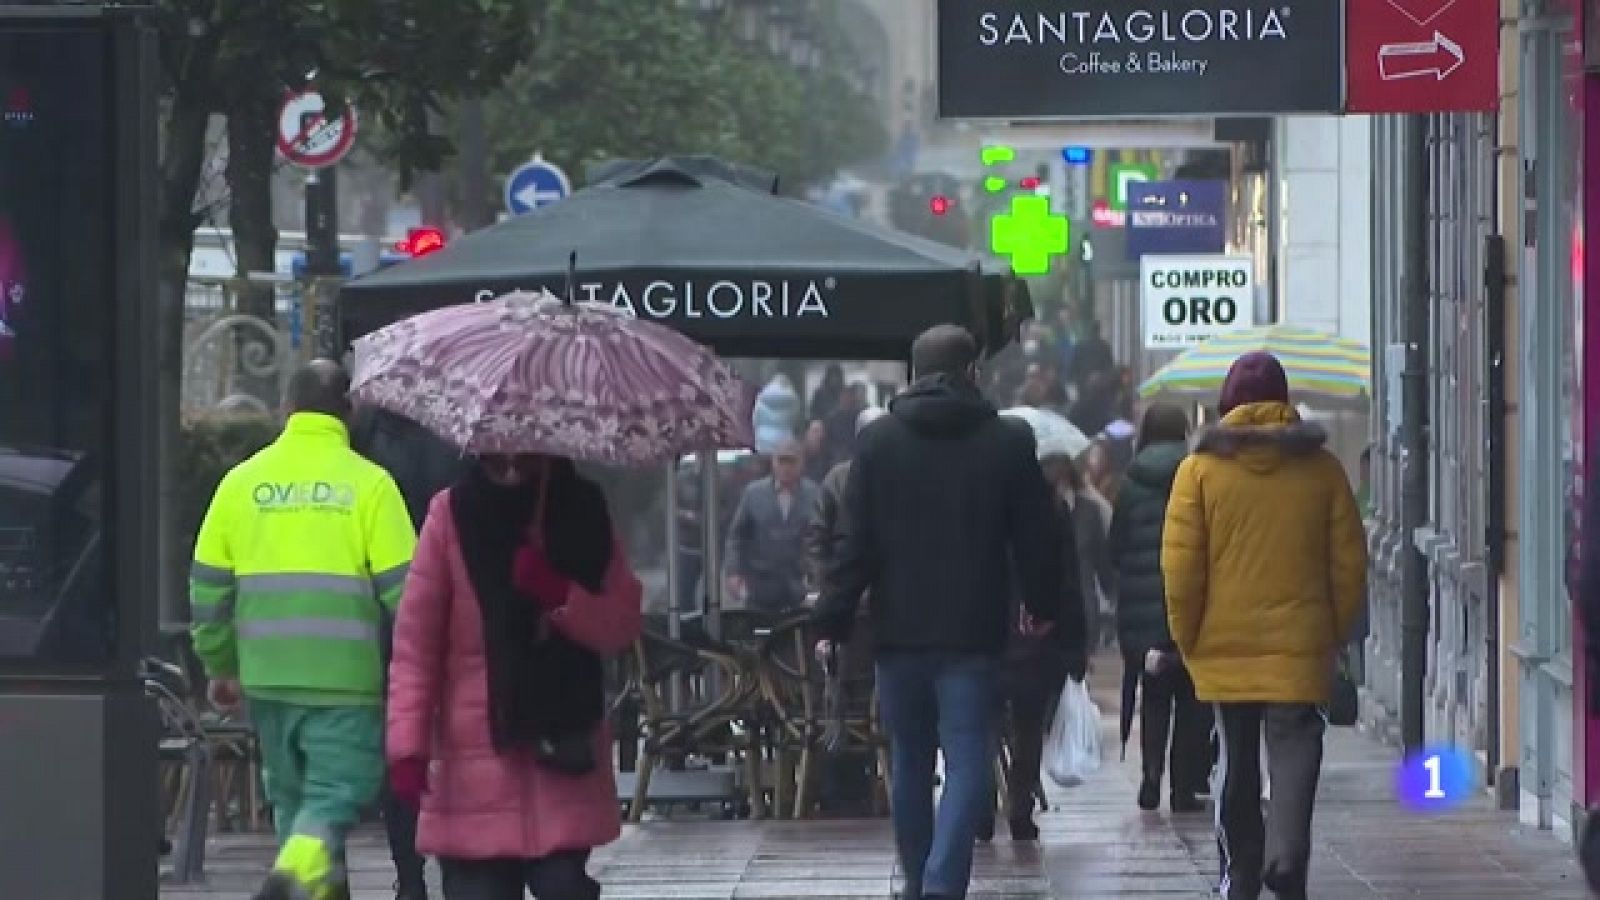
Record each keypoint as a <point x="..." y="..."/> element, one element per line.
<point x="408" y="781"/>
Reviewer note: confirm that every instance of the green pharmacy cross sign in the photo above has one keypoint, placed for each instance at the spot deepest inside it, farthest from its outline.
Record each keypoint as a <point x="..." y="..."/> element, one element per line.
<point x="1030" y="234"/>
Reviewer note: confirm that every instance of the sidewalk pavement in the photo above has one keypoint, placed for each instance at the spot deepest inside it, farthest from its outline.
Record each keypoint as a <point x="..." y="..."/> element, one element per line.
<point x="1095" y="844"/>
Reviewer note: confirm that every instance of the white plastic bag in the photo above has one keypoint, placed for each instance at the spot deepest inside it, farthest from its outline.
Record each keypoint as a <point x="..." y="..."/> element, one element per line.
<point x="1072" y="751"/>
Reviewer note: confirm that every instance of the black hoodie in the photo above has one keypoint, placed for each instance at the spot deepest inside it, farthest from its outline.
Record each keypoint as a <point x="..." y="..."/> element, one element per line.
<point x="943" y="495"/>
<point x="421" y="463"/>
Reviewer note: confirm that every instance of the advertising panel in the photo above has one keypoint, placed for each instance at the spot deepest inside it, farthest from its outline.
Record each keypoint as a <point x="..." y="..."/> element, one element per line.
<point x="56" y="344"/>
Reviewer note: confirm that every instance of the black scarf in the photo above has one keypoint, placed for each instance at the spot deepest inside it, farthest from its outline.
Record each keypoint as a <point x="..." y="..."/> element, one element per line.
<point x="539" y="689"/>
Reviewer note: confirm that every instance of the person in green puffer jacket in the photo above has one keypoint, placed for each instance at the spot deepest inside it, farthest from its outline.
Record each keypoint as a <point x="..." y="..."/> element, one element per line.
<point x="1150" y="657"/>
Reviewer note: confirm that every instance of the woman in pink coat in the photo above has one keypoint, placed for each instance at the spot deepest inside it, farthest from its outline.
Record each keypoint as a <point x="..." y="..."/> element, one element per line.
<point x="496" y="700"/>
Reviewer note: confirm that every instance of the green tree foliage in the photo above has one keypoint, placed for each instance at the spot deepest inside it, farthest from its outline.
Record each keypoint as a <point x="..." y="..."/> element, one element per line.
<point x="234" y="59"/>
<point x="640" y="78"/>
<point x="395" y="59"/>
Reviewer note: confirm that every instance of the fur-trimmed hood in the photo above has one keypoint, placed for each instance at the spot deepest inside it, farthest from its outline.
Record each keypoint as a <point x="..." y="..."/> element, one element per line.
<point x="1262" y="435"/>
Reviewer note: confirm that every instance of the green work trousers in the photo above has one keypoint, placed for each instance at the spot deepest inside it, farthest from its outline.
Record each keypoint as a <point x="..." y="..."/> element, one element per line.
<point x="322" y="766"/>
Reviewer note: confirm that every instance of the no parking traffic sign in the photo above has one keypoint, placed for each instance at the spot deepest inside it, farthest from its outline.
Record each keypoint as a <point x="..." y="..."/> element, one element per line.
<point x="307" y="137"/>
<point x="1187" y="299"/>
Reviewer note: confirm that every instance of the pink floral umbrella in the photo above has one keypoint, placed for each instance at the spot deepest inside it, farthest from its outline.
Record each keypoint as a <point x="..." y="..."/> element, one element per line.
<point x="527" y="373"/>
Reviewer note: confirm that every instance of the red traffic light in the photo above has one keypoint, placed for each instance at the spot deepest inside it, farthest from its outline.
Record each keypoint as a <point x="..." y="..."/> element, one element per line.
<point x="421" y="242"/>
<point x="1031" y="183"/>
<point x="940" y="204"/>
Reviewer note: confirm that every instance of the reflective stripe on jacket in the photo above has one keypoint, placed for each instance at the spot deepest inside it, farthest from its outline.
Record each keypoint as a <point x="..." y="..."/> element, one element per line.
<point x="304" y="549"/>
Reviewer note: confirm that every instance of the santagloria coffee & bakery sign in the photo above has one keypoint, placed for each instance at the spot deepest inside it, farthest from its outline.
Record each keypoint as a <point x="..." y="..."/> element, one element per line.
<point x="1034" y="59"/>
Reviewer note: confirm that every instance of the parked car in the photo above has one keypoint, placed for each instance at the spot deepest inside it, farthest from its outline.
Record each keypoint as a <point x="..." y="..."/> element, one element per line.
<point x="54" y="602"/>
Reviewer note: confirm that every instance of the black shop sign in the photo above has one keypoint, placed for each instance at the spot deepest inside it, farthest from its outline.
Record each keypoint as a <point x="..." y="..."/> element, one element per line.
<point x="1039" y="59"/>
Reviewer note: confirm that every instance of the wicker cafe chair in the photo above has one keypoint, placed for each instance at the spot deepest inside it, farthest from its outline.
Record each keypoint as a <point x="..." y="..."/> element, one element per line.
<point x="623" y="711"/>
<point x="718" y="690"/>
<point x="860" y="728"/>
<point x="789" y="723"/>
<point x="236" y="764"/>
<point x="234" y="788"/>
<point x="185" y="773"/>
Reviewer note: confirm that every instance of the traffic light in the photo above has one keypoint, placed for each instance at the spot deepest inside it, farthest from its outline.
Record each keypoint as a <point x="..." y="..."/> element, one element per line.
<point x="925" y="205"/>
<point x="420" y="242"/>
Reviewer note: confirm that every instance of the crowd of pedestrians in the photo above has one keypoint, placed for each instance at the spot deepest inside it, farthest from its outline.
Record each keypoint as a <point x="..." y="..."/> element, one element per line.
<point x="969" y="563"/>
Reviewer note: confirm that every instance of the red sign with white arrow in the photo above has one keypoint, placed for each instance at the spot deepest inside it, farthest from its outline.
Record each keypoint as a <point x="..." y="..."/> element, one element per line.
<point x="1421" y="56"/>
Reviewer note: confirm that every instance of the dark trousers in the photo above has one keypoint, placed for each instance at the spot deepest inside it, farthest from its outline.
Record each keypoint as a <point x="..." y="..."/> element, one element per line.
<point x="775" y="595"/>
<point x="1274" y="853"/>
<point x="937" y="703"/>
<point x="691" y="563"/>
<point x="1028" y="707"/>
<point x="400" y="822"/>
<point x="1174" y="725"/>
<point x="560" y="876"/>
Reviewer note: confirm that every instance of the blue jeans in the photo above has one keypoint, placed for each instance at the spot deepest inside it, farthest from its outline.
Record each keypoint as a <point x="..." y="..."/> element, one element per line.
<point x="932" y="701"/>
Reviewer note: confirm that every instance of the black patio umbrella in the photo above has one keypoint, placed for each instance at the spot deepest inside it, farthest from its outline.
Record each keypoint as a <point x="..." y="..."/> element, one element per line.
<point x="740" y="270"/>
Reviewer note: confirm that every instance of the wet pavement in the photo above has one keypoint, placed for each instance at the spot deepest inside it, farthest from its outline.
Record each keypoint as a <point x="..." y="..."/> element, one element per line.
<point x="1095" y="843"/>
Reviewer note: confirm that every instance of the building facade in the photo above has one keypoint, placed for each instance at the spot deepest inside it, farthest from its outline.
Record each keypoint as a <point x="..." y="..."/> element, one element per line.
<point x="1463" y="219"/>
<point x="1504" y="363"/>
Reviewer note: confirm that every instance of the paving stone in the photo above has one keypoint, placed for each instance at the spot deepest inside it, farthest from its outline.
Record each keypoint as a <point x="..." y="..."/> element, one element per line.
<point x="1095" y="844"/>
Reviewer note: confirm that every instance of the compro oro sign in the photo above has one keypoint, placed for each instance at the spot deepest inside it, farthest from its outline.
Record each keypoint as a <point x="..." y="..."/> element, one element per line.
<point x="1031" y="59"/>
<point x="1187" y="299"/>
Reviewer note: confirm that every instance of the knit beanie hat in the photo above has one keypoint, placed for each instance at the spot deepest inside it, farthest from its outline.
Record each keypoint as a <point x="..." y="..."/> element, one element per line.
<point x="1254" y="378"/>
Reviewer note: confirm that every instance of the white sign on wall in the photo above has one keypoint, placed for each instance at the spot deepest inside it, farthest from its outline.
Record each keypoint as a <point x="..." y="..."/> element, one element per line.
<point x="1186" y="299"/>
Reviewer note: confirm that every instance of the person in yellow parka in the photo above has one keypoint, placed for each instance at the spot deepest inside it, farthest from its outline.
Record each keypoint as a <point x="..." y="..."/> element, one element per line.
<point x="299" y="565"/>
<point x="1264" y="560"/>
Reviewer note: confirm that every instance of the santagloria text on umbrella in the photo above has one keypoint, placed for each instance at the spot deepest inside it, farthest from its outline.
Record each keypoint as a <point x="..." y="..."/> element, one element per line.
<point x="722" y="300"/>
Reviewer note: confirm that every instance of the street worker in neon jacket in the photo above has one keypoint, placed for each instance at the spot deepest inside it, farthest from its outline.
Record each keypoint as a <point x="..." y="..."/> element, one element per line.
<point x="301" y="559"/>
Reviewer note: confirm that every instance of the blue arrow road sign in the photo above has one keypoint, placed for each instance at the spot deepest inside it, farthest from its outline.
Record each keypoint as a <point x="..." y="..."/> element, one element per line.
<point x="534" y="185"/>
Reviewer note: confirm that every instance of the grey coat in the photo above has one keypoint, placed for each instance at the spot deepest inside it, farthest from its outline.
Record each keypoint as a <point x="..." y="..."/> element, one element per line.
<point x="767" y="549"/>
<point x="828" y="522"/>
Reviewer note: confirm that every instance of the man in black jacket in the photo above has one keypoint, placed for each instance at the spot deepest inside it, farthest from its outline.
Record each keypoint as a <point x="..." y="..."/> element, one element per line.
<point x="422" y="465"/>
<point x="945" y="500"/>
